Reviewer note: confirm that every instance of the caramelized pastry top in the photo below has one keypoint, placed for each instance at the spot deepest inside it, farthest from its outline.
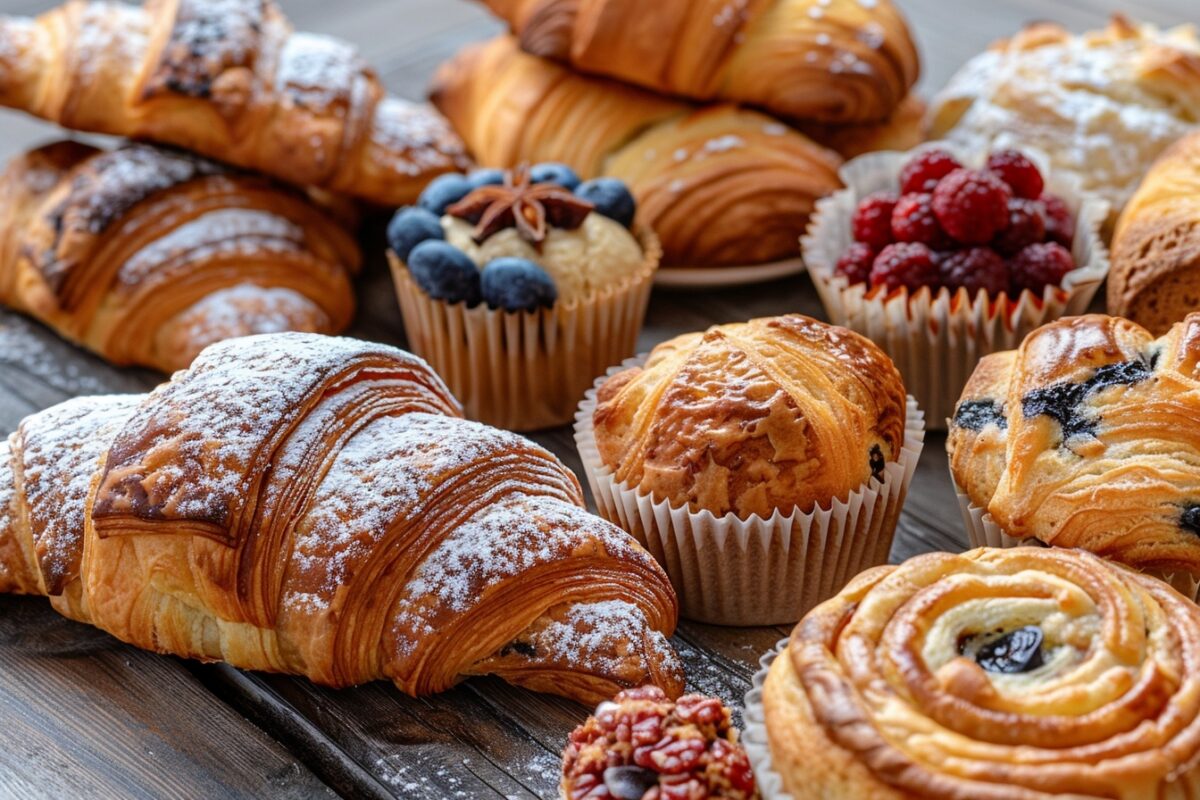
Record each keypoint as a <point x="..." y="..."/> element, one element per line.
<point x="750" y="418"/>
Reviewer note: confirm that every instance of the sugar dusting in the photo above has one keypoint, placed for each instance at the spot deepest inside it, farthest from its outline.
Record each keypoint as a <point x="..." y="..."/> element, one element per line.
<point x="318" y="71"/>
<point x="413" y="137"/>
<point x="596" y="636"/>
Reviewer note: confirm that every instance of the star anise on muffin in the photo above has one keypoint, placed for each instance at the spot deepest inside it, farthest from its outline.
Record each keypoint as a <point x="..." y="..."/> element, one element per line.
<point x="529" y="207"/>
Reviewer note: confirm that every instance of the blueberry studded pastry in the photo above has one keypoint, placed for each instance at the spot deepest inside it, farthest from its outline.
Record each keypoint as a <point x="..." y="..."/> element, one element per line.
<point x="643" y="746"/>
<point x="519" y="240"/>
<point x="1089" y="436"/>
<point x="1006" y="673"/>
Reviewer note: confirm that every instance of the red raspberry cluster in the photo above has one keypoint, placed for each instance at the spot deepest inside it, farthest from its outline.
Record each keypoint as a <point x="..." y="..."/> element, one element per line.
<point x="643" y="746"/>
<point x="994" y="229"/>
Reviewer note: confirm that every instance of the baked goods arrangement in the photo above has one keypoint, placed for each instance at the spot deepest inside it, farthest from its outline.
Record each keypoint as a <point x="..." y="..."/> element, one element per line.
<point x="346" y="511"/>
<point x="1006" y="674"/>
<point x="146" y="256"/>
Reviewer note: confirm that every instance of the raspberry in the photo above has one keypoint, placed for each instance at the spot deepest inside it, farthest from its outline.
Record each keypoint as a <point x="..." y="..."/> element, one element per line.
<point x="907" y="264"/>
<point x="1026" y="226"/>
<point x="856" y="262"/>
<point x="972" y="205"/>
<point x="1018" y="172"/>
<point x="973" y="269"/>
<point x="913" y="220"/>
<point x="924" y="171"/>
<point x="1041" y="265"/>
<point x="872" y="221"/>
<point x="1060" y="225"/>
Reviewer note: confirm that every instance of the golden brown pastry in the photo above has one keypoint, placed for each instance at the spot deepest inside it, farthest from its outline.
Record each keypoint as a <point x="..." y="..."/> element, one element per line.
<point x="825" y="60"/>
<point x="1155" y="275"/>
<point x="314" y="505"/>
<point x="1089" y="436"/>
<point x="1000" y="674"/>
<point x="146" y="255"/>
<point x="902" y="131"/>
<point x="1101" y="105"/>
<point x="230" y="80"/>
<point x="774" y="413"/>
<point x="719" y="185"/>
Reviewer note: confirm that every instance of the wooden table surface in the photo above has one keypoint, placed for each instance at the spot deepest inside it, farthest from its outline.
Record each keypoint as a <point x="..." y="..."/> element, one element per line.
<point x="84" y="715"/>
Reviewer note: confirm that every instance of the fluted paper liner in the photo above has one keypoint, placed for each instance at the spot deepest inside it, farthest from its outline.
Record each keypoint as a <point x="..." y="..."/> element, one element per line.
<point x="756" y="571"/>
<point x="526" y="370"/>
<point x="937" y="338"/>
<point x="754" y="733"/>
<point x="984" y="531"/>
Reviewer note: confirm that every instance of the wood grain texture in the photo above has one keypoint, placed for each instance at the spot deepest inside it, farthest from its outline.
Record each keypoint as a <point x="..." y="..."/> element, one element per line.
<point x="87" y="716"/>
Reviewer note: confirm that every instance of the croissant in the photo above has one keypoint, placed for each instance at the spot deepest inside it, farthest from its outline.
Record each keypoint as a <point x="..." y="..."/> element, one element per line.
<point x="230" y="80"/>
<point x="146" y="256"/>
<point x="1089" y="436"/>
<point x="824" y="60"/>
<point x="1155" y="275"/>
<point x="1001" y="674"/>
<point x="719" y="185"/>
<point x="315" y="505"/>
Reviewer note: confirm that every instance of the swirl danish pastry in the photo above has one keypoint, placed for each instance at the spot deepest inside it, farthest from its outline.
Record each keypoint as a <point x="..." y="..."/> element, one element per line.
<point x="827" y="60"/>
<point x="146" y="255"/>
<point x="1089" y="436"/>
<point x="316" y="506"/>
<point x="1000" y="674"/>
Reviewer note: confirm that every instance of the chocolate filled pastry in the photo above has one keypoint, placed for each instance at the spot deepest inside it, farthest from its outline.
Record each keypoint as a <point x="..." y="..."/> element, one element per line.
<point x="145" y="255"/>
<point x="1000" y="674"/>
<point x="824" y="60"/>
<point x="232" y="81"/>
<point x="1089" y="436"/>
<point x="720" y="185"/>
<point x="317" y="506"/>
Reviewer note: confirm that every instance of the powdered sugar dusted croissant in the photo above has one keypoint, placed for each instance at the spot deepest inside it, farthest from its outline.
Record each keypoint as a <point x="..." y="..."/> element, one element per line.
<point x="230" y="80"/>
<point x="1089" y="436"/>
<point x="315" y="505"/>
<point x="147" y="255"/>
<point x="719" y="185"/>
<point x="827" y="60"/>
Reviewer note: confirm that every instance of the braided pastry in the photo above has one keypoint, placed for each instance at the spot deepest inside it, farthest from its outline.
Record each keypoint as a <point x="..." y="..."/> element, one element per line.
<point x="827" y="60"/>
<point x="316" y="506"/>
<point x="1000" y="674"/>
<point x="146" y="255"/>
<point x="1089" y="436"/>
<point x="719" y="185"/>
<point x="230" y="80"/>
<point x="775" y="413"/>
<point x="1155" y="276"/>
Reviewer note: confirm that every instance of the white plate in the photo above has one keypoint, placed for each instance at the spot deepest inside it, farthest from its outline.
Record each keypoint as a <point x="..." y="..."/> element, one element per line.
<point x="711" y="277"/>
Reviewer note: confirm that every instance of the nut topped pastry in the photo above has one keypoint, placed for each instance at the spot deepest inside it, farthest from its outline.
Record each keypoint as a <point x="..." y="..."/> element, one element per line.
<point x="1087" y="436"/>
<point x="642" y="746"/>
<point x="750" y="418"/>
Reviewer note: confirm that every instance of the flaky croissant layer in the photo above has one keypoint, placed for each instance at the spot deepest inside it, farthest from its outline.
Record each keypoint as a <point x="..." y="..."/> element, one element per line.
<point x="317" y="506"/>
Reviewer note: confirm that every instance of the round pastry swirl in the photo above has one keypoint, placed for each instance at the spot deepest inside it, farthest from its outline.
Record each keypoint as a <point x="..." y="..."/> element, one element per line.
<point x="1000" y="674"/>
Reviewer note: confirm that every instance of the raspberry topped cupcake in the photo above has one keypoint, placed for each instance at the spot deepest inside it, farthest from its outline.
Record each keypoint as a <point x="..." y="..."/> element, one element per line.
<point x="520" y="286"/>
<point x="942" y="259"/>
<point x="643" y="746"/>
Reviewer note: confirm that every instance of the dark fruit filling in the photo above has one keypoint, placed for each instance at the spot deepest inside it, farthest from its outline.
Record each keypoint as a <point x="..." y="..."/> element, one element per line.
<point x="1014" y="652"/>
<point x="975" y="415"/>
<point x="1189" y="520"/>
<point x="877" y="461"/>
<point x="1061" y="401"/>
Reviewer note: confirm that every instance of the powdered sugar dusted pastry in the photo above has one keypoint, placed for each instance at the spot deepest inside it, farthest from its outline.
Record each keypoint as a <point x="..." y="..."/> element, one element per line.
<point x="1103" y="105"/>
<point x="146" y="255"/>
<point x="316" y="506"/>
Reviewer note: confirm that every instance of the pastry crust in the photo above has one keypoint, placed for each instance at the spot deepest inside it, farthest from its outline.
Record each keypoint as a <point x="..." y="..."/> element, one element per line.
<point x="877" y="695"/>
<point x="146" y="256"/>
<point x="1089" y="436"/>
<point x="1155" y="275"/>
<point x="748" y="418"/>
<point x="317" y="506"/>
<point x="840" y="61"/>
<point x="231" y="81"/>
<point x="719" y="185"/>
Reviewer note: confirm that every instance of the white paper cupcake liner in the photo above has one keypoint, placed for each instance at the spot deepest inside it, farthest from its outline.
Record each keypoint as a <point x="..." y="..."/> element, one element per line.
<point x="984" y="531"/>
<point x="756" y="571"/>
<point x="526" y="370"/>
<point x="937" y="338"/>
<point x="754" y="730"/>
